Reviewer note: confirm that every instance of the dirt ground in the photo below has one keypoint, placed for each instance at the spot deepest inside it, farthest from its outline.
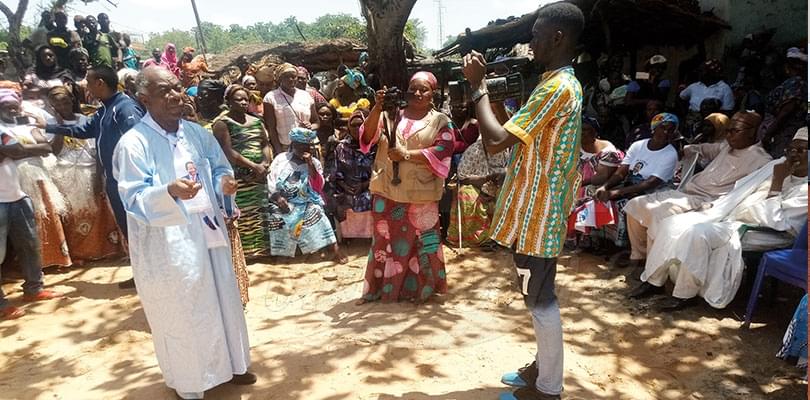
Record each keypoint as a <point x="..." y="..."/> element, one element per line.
<point x="309" y="341"/>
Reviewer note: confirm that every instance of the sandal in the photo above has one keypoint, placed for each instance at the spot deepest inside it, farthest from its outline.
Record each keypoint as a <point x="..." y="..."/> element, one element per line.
<point x="11" y="312"/>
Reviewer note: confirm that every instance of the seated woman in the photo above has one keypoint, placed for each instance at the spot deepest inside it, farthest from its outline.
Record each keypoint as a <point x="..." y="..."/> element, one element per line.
<point x="598" y="161"/>
<point x="480" y="176"/>
<point x="407" y="256"/>
<point x="647" y="166"/>
<point x="244" y="141"/>
<point x="351" y="93"/>
<point x="350" y="199"/>
<point x="297" y="217"/>
<point x="89" y="225"/>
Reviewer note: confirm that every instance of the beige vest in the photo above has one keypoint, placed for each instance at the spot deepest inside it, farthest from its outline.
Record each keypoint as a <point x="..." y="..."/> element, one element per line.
<point x="419" y="184"/>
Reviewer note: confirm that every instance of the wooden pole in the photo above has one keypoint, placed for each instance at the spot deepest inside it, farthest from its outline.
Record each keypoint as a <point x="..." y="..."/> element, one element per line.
<point x="199" y="29"/>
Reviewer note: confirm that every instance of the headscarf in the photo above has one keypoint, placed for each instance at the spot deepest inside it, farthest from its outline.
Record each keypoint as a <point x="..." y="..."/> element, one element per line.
<point x="427" y="77"/>
<point x="357" y="114"/>
<point x="720" y="123"/>
<point x="213" y="86"/>
<point x="796" y="54"/>
<point x="233" y="88"/>
<point x="170" y="60"/>
<point x="664" y="118"/>
<point x="302" y="70"/>
<point x="285" y="69"/>
<point x="303" y="135"/>
<point x="354" y="79"/>
<point x="192" y="91"/>
<point x="593" y="122"/>
<point x="10" y="96"/>
<point x="363" y="57"/>
<point x="59" y="90"/>
<point x="801" y="134"/>
<point x="247" y="79"/>
<point x="124" y="74"/>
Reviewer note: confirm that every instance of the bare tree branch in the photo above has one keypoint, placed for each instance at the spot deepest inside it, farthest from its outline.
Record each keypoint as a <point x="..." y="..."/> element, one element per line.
<point x="7" y="11"/>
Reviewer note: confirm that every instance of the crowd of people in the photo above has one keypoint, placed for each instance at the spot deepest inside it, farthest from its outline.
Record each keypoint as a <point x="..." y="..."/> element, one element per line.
<point x="107" y="155"/>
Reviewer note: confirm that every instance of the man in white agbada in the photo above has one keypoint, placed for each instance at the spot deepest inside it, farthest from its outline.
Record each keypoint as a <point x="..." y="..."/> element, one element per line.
<point x="701" y="251"/>
<point x="729" y="161"/>
<point x="179" y="250"/>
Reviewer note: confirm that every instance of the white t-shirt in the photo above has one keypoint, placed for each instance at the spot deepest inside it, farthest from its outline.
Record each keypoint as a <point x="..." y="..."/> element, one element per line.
<point x="645" y="163"/>
<point x="698" y="91"/>
<point x="10" y="190"/>
<point x="289" y="111"/>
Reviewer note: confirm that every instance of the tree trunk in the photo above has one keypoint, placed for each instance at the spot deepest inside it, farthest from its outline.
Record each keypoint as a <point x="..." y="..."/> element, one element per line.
<point x="15" y="47"/>
<point x="385" y="25"/>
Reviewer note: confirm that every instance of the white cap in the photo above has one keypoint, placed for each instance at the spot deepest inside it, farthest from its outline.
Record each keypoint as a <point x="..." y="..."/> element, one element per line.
<point x="657" y="59"/>
<point x="801" y="134"/>
<point x="796" y="53"/>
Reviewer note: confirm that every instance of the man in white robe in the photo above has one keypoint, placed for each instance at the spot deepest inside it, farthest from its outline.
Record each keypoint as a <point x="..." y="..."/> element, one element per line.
<point x="701" y="251"/>
<point x="180" y="255"/>
<point x="735" y="158"/>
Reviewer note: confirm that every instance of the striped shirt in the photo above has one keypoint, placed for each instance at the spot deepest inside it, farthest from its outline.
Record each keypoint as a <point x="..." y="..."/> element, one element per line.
<point x="542" y="177"/>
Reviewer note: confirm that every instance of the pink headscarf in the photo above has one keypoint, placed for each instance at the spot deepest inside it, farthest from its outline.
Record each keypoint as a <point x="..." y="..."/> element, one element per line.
<point x="302" y="70"/>
<point x="169" y="60"/>
<point x="10" y="96"/>
<point x="427" y="77"/>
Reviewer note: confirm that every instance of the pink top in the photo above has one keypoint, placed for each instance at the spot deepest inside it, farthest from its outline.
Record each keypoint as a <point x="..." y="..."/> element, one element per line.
<point x="438" y="155"/>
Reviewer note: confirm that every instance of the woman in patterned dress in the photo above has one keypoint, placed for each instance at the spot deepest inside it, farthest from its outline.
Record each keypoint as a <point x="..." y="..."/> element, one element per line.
<point x="244" y="140"/>
<point x="406" y="260"/>
<point x="89" y="225"/>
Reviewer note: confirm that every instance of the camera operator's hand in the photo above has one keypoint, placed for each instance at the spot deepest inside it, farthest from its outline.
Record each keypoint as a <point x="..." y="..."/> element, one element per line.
<point x="475" y="68"/>
<point x="397" y="154"/>
<point x="379" y="97"/>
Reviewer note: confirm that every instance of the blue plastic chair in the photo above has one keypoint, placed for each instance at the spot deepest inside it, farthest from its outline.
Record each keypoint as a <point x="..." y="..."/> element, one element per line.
<point x="789" y="266"/>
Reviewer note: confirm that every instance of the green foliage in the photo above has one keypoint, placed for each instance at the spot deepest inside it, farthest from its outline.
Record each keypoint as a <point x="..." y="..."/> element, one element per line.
<point x="220" y="38"/>
<point x="330" y="26"/>
<point x="416" y="32"/>
<point x="179" y="38"/>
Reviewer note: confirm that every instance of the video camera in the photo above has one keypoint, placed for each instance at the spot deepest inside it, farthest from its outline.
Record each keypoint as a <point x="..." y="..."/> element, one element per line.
<point x="394" y="99"/>
<point x="510" y="80"/>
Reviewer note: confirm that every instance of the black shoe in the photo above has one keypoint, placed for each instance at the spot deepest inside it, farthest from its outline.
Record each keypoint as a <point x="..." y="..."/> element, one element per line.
<point x="645" y="290"/>
<point x="245" y="379"/>
<point x="528" y="393"/>
<point x="127" y="284"/>
<point x="673" y="304"/>
<point x="524" y="377"/>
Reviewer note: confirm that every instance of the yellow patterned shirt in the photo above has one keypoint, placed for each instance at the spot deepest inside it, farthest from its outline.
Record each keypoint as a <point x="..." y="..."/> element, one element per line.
<point x="541" y="181"/>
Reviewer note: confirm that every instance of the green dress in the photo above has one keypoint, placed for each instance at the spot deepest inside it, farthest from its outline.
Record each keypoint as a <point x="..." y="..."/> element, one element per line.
<point x="251" y="198"/>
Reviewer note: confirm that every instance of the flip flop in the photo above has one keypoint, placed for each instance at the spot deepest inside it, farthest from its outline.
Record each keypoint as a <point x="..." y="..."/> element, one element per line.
<point x="9" y="313"/>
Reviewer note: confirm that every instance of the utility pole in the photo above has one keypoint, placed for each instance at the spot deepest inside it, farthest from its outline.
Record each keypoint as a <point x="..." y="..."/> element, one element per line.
<point x="199" y="29"/>
<point x="440" y="11"/>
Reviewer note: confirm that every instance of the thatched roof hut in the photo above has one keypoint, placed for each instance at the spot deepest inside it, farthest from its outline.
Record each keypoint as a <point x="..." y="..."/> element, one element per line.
<point x="315" y="56"/>
<point x="610" y="24"/>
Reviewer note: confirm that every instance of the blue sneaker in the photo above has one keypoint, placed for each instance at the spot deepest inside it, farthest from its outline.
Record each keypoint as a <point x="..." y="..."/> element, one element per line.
<point x="523" y="376"/>
<point x="528" y="393"/>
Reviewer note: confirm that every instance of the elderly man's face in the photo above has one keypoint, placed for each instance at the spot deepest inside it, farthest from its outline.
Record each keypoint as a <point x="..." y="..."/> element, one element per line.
<point x="796" y="154"/>
<point x="9" y="110"/>
<point x="741" y="133"/>
<point x="164" y="95"/>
